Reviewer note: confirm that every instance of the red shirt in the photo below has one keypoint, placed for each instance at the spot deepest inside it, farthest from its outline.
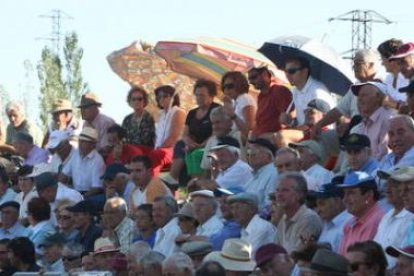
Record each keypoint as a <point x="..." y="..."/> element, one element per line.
<point x="269" y="107"/>
<point x="128" y="151"/>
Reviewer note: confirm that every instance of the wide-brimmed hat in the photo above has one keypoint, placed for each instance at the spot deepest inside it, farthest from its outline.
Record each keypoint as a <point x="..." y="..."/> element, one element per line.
<point x="407" y="251"/>
<point x="202" y="193"/>
<point x="186" y="211"/>
<point x="266" y="252"/>
<point x="236" y="255"/>
<point x="328" y="262"/>
<point x="246" y="197"/>
<point x="104" y="245"/>
<point x="358" y="179"/>
<point x="404" y="50"/>
<point x="381" y="87"/>
<point x="196" y="248"/>
<point x="61" y="105"/>
<point x="226" y="141"/>
<point x="89" y="134"/>
<point x="312" y="145"/>
<point x="400" y="174"/>
<point x="89" y="99"/>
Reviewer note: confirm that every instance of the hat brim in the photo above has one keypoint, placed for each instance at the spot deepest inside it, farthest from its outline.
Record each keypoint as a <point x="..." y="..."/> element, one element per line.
<point x="353" y="147"/>
<point x="89" y="105"/>
<point x="402" y="55"/>
<point x="229" y="264"/>
<point x="61" y="110"/>
<point x="370" y="184"/>
<point x="106" y="251"/>
<point x="396" y="252"/>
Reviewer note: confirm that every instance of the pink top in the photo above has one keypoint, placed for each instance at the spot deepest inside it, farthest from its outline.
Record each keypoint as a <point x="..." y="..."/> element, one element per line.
<point x="361" y="229"/>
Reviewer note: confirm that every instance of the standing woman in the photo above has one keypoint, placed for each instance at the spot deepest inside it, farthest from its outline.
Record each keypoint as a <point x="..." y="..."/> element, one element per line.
<point x="238" y="104"/>
<point x="196" y="131"/>
<point x="169" y="127"/>
<point x="140" y="125"/>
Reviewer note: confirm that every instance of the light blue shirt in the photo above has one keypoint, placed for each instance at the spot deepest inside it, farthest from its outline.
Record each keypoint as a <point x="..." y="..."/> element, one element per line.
<point x="39" y="233"/>
<point x="388" y="161"/>
<point x="231" y="229"/>
<point x="57" y="266"/>
<point x="263" y="183"/>
<point x="332" y="231"/>
<point x="17" y="230"/>
<point x="9" y="195"/>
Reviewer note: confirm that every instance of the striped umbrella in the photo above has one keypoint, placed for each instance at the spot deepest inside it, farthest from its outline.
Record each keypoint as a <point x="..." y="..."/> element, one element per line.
<point x="211" y="58"/>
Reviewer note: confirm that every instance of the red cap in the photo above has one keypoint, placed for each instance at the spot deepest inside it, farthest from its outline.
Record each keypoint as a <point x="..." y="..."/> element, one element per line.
<point x="266" y="252"/>
<point x="404" y="50"/>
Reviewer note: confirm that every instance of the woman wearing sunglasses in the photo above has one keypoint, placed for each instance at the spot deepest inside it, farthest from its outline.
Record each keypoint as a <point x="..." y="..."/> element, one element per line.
<point x="238" y="104"/>
<point x="140" y="124"/>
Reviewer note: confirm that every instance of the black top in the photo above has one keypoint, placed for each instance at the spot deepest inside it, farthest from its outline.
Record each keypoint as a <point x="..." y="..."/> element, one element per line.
<point x="199" y="130"/>
<point x="88" y="240"/>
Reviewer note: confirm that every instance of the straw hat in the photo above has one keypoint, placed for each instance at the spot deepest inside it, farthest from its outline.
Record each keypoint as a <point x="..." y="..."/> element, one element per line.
<point x="89" y="99"/>
<point x="104" y="245"/>
<point x="234" y="256"/>
<point x="61" y="105"/>
<point x="186" y="211"/>
<point x="88" y="134"/>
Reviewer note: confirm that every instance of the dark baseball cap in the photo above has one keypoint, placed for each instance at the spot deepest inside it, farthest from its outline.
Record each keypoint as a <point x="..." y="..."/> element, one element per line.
<point x="355" y="141"/>
<point x="113" y="169"/>
<point x="13" y="204"/>
<point x="264" y="143"/>
<point x="84" y="206"/>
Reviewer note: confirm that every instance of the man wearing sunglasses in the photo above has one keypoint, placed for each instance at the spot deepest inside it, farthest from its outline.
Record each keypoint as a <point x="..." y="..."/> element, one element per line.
<point x="306" y="88"/>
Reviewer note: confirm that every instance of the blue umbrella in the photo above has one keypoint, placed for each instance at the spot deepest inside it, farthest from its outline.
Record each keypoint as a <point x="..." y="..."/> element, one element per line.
<point x="326" y="65"/>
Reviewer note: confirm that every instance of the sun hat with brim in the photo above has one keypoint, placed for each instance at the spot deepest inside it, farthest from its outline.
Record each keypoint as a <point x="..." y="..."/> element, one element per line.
<point x="264" y="143"/>
<point x="226" y="141"/>
<point x="403" y="51"/>
<point x="196" y="248"/>
<point x="61" y="105"/>
<point x="88" y="134"/>
<point x="266" y="252"/>
<point x="312" y="145"/>
<point x="401" y="174"/>
<point x="186" y="211"/>
<point x="382" y="87"/>
<point x="358" y="179"/>
<point x="407" y="251"/>
<point x="407" y="89"/>
<point x="328" y="263"/>
<point x="89" y="99"/>
<point x="234" y="256"/>
<point x="245" y="197"/>
<point x="320" y="105"/>
<point x="104" y="245"/>
<point x="202" y="193"/>
<point x="56" y="137"/>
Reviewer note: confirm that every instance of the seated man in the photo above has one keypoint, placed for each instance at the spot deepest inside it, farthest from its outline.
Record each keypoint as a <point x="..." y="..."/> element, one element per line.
<point x="255" y="230"/>
<point x="52" y="258"/>
<point x="228" y="169"/>
<point x="178" y="264"/>
<point x="32" y="154"/>
<point x="205" y="209"/>
<point x="273" y="259"/>
<point x="62" y="151"/>
<point x="117" y="183"/>
<point x="10" y="225"/>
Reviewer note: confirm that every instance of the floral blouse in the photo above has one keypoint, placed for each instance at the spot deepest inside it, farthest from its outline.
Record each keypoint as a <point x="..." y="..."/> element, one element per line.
<point x="140" y="132"/>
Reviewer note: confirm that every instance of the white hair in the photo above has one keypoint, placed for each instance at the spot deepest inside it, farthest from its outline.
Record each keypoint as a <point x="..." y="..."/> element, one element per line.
<point x="179" y="260"/>
<point x="16" y="106"/>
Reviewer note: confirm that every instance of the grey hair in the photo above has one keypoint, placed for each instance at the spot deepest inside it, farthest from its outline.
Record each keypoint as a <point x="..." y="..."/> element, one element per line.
<point x="218" y="112"/>
<point x="139" y="249"/>
<point x="151" y="259"/>
<point x="15" y="105"/>
<point x="369" y="56"/>
<point x="233" y="150"/>
<point x="409" y="122"/>
<point x="119" y="203"/>
<point x="169" y="201"/>
<point x="75" y="248"/>
<point x="181" y="261"/>
<point x="291" y="151"/>
<point x="301" y="185"/>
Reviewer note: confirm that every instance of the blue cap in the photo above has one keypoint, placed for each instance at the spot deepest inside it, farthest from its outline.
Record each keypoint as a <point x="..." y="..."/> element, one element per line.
<point x="327" y="191"/>
<point x="358" y="179"/>
<point x="218" y="192"/>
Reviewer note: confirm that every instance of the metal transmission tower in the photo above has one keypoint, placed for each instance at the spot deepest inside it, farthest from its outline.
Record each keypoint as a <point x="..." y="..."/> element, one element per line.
<point x="56" y="16"/>
<point x="362" y="21"/>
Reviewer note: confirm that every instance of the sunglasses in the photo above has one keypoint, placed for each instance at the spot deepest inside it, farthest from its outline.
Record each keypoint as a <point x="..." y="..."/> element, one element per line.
<point x="228" y="86"/>
<point x="137" y="99"/>
<point x="292" y="71"/>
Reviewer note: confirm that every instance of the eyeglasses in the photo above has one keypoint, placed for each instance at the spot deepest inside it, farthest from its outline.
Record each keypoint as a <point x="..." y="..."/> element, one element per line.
<point x="137" y="99"/>
<point x="228" y="86"/>
<point x="292" y="71"/>
<point x="355" y="266"/>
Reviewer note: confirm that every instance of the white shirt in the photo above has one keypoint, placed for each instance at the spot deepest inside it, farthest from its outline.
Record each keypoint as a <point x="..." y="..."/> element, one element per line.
<point x="313" y="89"/>
<point x="56" y="161"/>
<point x="165" y="238"/>
<point x="348" y="105"/>
<point x="236" y="175"/>
<point x="392" y="230"/>
<point x="210" y="227"/>
<point x="393" y="92"/>
<point x="64" y="192"/>
<point x="258" y="232"/>
<point x="23" y="201"/>
<point x="85" y="171"/>
<point x="164" y="125"/>
<point x="263" y="183"/>
<point x="242" y="101"/>
<point x="320" y="175"/>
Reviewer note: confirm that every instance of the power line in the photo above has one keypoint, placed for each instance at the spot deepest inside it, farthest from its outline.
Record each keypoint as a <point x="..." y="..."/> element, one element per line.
<point x="362" y="21"/>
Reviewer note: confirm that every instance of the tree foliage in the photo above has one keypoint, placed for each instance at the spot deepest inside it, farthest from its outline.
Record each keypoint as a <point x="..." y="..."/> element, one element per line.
<point x="60" y="79"/>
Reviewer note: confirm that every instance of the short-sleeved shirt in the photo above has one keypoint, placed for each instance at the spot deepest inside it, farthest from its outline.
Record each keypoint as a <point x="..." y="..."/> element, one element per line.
<point x="269" y="107"/>
<point x="199" y="129"/>
<point x="101" y="123"/>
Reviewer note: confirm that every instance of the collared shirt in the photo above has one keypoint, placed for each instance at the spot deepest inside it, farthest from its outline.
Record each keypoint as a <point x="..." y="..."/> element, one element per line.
<point x="376" y="128"/>
<point x="39" y="232"/>
<point x="210" y="227"/>
<point x="165" y="239"/>
<point x="9" y="195"/>
<point x="304" y="223"/>
<point x="388" y="161"/>
<point x="101" y="123"/>
<point x="36" y="156"/>
<point x="231" y="229"/>
<point x="361" y="229"/>
<point x="57" y="266"/>
<point x="24" y="199"/>
<point x="154" y="189"/>
<point x="64" y="192"/>
<point x="258" y="232"/>
<point x="86" y="171"/>
<point x="236" y="175"/>
<point x="17" y="230"/>
<point x="332" y="231"/>
<point x="320" y="174"/>
<point x="313" y="89"/>
<point x="263" y="183"/>
<point x="393" y="230"/>
<point x="56" y="163"/>
<point x="125" y="233"/>
<point x="370" y="167"/>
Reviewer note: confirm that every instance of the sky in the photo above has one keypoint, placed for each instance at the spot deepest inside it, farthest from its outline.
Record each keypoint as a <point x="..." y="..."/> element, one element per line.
<point x="105" y="26"/>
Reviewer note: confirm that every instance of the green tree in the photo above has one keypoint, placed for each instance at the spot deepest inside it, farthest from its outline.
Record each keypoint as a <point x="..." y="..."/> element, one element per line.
<point x="59" y="80"/>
